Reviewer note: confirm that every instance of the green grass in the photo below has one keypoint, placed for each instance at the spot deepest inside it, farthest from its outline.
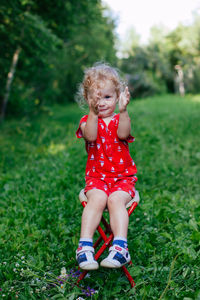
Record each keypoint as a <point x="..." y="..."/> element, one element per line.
<point x="41" y="173"/>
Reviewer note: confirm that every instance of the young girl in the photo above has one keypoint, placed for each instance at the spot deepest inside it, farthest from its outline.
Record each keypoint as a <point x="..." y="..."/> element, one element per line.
<point x="110" y="171"/>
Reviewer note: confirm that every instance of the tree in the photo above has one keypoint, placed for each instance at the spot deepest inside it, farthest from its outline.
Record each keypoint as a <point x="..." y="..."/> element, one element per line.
<point x="57" y="40"/>
<point x="153" y="68"/>
<point x="23" y="34"/>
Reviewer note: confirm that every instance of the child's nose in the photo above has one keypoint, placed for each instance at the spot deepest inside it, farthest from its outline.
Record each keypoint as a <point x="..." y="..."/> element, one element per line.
<point x="101" y="102"/>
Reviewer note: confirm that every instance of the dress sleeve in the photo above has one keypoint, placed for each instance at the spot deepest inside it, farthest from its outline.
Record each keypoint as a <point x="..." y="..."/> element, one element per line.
<point x="79" y="133"/>
<point x="130" y="139"/>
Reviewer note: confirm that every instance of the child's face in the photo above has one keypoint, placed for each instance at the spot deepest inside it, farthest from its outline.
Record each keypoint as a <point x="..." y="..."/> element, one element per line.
<point x="107" y="99"/>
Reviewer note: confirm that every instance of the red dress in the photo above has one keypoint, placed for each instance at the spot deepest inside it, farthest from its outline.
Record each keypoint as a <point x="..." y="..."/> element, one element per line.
<point x="109" y="162"/>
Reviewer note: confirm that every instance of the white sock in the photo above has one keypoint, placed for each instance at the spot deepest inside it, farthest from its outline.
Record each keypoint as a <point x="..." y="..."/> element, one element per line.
<point x="85" y="242"/>
<point x="120" y="241"/>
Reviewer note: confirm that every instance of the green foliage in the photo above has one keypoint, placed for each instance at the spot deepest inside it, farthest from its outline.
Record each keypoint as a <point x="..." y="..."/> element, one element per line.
<point x="58" y="40"/>
<point x="141" y="73"/>
<point x="42" y="171"/>
<point x="151" y="68"/>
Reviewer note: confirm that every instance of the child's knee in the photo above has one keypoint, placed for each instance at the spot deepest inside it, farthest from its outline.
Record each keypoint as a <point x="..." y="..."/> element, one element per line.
<point x="113" y="200"/>
<point x="98" y="200"/>
<point x="118" y="199"/>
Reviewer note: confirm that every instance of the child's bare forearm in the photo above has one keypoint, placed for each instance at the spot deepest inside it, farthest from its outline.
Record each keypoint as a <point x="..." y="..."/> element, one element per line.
<point x="124" y="127"/>
<point x="91" y="127"/>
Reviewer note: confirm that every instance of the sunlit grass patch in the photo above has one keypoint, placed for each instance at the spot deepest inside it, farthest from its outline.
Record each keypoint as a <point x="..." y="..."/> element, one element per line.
<point x="195" y="98"/>
<point x="55" y="148"/>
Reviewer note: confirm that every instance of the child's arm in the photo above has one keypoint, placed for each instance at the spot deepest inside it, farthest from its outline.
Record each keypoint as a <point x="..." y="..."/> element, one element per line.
<point x="89" y="129"/>
<point x="124" y="127"/>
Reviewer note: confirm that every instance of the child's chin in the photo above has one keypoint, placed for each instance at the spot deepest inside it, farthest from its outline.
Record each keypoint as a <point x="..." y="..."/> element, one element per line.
<point x="101" y="115"/>
<point x="104" y="114"/>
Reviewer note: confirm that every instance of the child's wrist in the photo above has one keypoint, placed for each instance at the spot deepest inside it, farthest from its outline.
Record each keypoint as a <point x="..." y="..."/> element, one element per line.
<point x="123" y="110"/>
<point x="93" y="113"/>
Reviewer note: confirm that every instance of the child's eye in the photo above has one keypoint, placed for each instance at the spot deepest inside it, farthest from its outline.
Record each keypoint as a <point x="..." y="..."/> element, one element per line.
<point x="107" y="96"/>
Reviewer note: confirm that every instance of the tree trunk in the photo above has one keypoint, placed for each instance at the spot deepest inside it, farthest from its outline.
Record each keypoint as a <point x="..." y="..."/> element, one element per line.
<point x="179" y="80"/>
<point x="10" y="78"/>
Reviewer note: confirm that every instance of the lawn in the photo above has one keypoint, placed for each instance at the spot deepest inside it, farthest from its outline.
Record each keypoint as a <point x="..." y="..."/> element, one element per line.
<point x="41" y="173"/>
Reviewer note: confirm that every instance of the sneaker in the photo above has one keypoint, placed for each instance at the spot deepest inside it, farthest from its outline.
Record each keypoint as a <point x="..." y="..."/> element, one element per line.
<point x="85" y="258"/>
<point x="117" y="257"/>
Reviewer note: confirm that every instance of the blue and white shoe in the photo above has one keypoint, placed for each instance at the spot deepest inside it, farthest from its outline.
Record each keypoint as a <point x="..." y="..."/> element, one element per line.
<point x="85" y="258"/>
<point x="117" y="257"/>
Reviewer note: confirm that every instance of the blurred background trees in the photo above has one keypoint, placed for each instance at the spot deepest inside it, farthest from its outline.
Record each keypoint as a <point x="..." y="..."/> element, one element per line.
<point x="45" y="46"/>
<point x="154" y="68"/>
<point x="57" y="40"/>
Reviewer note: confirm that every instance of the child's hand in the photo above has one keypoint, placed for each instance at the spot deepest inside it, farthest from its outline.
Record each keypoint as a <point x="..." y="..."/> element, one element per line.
<point x="124" y="99"/>
<point x="93" y="103"/>
<point x="94" y="107"/>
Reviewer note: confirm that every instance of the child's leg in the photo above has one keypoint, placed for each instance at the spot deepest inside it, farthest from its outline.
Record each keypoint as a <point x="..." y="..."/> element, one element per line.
<point x="92" y="212"/>
<point x="118" y="253"/>
<point x="91" y="218"/>
<point x="118" y="213"/>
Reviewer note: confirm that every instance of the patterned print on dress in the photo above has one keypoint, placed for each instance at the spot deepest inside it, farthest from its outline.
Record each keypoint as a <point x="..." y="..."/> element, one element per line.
<point x="119" y="149"/>
<point x="91" y="145"/>
<point x="116" y="141"/>
<point x="101" y="159"/>
<point x="121" y="162"/>
<point x="112" y="169"/>
<point x="103" y="139"/>
<point x="112" y="157"/>
<point x="101" y="163"/>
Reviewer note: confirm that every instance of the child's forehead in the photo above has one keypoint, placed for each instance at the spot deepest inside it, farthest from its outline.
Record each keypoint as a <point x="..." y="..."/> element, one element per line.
<point x="104" y="86"/>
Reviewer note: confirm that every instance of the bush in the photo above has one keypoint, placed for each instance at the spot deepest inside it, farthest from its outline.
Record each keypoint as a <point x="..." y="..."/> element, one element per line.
<point x="143" y="84"/>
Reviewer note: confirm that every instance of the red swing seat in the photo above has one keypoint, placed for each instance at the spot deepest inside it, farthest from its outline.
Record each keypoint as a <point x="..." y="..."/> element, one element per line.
<point x="108" y="239"/>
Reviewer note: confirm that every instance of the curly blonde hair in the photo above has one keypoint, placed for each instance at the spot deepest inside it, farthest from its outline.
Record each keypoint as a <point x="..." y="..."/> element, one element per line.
<point x="93" y="78"/>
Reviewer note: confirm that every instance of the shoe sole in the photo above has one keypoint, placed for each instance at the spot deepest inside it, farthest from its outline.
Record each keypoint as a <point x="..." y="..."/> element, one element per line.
<point x="108" y="264"/>
<point x="90" y="267"/>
